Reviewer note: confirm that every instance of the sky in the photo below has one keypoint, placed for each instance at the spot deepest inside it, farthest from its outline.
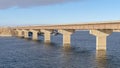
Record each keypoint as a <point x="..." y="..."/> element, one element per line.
<point x="45" y="12"/>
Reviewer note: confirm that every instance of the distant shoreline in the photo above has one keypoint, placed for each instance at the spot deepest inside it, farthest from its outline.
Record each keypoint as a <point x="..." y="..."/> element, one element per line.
<point x="5" y="35"/>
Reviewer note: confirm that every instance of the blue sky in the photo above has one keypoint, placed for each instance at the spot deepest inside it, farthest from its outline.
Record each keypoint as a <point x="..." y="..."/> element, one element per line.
<point x="62" y="13"/>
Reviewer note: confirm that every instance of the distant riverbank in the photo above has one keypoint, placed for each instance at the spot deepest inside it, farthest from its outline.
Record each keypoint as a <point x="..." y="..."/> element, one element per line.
<point x="6" y="31"/>
<point x="6" y="35"/>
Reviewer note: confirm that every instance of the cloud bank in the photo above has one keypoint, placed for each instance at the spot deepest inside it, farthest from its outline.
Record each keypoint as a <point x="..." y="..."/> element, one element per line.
<point x="4" y="4"/>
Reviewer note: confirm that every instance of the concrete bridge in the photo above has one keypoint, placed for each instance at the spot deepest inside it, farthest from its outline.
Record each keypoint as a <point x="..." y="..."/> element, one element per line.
<point x="100" y="30"/>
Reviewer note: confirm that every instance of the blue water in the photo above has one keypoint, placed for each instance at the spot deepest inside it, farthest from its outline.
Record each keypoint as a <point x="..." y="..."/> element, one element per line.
<point x="26" y="53"/>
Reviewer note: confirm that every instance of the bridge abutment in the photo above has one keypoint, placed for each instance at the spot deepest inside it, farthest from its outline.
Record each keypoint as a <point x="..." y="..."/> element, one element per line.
<point x="16" y="33"/>
<point x="19" y="33"/>
<point x="101" y="38"/>
<point x="66" y="36"/>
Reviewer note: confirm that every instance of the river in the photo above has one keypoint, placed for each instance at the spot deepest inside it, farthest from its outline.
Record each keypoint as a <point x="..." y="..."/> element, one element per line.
<point x="25" y="53"/>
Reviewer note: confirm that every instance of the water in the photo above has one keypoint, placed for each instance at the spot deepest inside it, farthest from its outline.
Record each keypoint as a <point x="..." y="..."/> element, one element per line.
<point x="24" y="53"/>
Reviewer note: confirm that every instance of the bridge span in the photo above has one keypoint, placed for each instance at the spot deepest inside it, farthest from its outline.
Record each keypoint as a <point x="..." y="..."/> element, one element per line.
<point x="100" y="30"/>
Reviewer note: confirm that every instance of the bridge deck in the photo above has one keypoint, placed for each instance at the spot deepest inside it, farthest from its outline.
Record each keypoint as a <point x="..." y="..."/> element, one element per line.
<point x="106" y="25"/>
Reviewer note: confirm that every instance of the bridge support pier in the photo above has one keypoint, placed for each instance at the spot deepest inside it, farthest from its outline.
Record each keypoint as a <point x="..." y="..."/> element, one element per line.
<point x="66" y="36"/>
<point x="101" y="38"/>
<point x="34" y="34"/>
<point x="47" y="35"/>
<point x="26" y="33"/>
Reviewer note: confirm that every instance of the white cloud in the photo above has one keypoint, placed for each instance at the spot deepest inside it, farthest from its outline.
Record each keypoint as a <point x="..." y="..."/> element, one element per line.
<point x="29" y="3"/>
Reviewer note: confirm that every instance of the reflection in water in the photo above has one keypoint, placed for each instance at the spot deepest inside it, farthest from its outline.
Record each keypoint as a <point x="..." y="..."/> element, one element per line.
<point x="67" y="57"/>
<point x="101" y="59"/>
<point x="67" y="48"/>
<point x="48" y="42"/>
